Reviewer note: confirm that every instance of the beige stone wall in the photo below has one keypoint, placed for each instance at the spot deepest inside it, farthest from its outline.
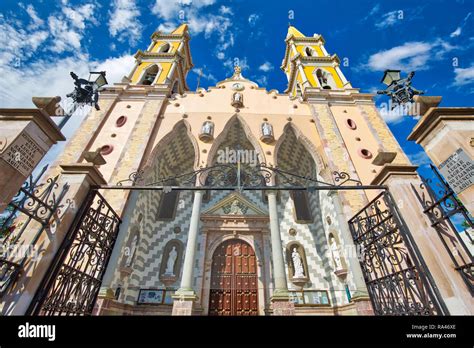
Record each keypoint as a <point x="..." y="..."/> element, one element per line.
<point x="81" y="140"/>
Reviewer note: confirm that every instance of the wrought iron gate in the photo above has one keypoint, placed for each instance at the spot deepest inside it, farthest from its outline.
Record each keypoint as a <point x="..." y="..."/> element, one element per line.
<point x="396" y="278"/>
<point x="442" y="207"/>
<point x="36" y="207"/>
<point x="73" y="283"/>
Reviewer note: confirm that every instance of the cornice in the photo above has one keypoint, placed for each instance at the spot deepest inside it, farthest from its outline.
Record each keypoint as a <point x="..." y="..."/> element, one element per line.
<point x="434" y="116"/>
<point x="39" y="117"/>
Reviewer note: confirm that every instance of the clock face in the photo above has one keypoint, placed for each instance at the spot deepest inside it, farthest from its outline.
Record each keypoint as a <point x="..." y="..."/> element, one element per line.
<point x="237" y="87"/>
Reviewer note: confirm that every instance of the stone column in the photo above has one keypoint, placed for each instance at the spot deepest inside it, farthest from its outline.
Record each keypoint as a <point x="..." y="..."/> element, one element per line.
<point x="402" y="180"/>
<point x="25" y="138"/>
<point x="280" y="300"/>
<point x="446" y="135"/>
<point x="80" y="178"/>
<point x="185" y="296"/>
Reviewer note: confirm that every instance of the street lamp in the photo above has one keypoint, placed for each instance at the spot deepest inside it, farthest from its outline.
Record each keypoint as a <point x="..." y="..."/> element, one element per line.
<point x="389" y="76"/>
<point x="400" y="90"/>
<point x="86" y="92"/>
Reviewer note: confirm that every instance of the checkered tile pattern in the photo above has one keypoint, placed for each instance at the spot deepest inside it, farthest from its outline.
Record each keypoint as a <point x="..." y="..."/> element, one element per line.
<point x="155" y="234"/>
<point x="175" y="159"/>
<point x="313" y="236"/>
<point x="293" y="157"/>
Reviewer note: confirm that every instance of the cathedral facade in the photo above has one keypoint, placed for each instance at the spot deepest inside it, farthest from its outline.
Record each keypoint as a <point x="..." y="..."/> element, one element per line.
<point x="243" y="249"/>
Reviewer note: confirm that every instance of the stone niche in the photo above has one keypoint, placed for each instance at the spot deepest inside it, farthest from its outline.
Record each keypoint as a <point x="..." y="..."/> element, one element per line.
<point x="295" y="251"/>
<point x="170" y="269"/>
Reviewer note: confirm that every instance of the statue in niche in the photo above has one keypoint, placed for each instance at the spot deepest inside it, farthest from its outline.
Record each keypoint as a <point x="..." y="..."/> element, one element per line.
<point x="172" y="256"/>
<point x="297" y="264"/>
<point x="336" y="256"/>
<point x="267" y="129"/>
<point x="237" y="99"/>
<point x="207" y="128"/>
<point x="132" y="249"/>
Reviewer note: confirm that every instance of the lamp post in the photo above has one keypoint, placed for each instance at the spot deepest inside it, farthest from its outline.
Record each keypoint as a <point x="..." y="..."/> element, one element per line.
<point x="86" y="92"/>
<point x="400" y="90"/>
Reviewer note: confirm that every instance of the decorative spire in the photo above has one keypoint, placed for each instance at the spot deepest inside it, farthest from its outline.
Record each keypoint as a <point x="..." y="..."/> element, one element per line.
<point x="237" y="73"/>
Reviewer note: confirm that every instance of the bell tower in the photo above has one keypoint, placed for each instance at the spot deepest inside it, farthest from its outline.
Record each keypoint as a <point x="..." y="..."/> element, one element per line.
<point x="307" y="64"/>
<point x="166" y="62"/>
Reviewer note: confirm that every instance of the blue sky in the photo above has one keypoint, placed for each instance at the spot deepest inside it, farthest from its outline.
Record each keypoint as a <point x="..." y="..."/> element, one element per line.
<point x="41" y="41"/>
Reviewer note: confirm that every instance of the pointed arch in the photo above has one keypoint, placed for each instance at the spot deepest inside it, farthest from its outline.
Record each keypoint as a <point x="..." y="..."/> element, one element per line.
<point x="165" y="141"/>
<point x="307" y="144"/>
<point x="222" y="137"/>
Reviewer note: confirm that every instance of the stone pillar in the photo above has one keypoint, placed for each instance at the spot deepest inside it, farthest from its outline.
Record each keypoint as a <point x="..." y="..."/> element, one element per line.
<point x="360" y="296"/>
<point x="401" y="180"/>
<point x="185" y="296"/>
<point x="80" y="178"/>
<point x="281" y="303"/>
<point x="446" y="135"/>
<point x="26" y="136"/>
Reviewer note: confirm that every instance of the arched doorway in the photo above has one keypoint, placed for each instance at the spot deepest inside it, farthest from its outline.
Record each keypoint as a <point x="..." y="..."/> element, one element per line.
<point x="234" y="284"/>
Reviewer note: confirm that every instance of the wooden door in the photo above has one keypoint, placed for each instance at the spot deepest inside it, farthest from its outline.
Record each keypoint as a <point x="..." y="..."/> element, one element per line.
<point x="234" y="289"/>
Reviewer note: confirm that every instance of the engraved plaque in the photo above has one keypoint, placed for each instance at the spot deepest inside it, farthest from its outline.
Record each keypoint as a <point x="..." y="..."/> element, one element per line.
<point x="23" y="154"/>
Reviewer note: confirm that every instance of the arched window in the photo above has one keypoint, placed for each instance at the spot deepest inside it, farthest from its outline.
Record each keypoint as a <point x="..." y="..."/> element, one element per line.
<point x="310" y="52"/>
<point x="168" y="203"/>
<point x="301" y="207"/>
<point x="150" y="75"/>
<point x="166" y="48"/>
<point x="326" y="80"/>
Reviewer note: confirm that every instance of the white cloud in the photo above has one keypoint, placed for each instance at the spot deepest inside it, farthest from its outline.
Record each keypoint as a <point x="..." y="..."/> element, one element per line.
<point x="36" y="22"/>
<point x="203" y="75"/>
<point x="253" y="18"/>
<point x="456" y="33"/>
<point x="80" y="15"/>
<point x="459" y="29"/>
<point x="167" y="27"/>
<point x="198" y="23"/>
<point x="124" y="22"/>
<point x="65" y="39"/>
<point x="18" y="44"/>
<point x="463" y="76"/>
<point x="409" y="56"/>
<point x="192" y="12"/>
<point x="46" y="78"/>
<point x="267" y="66"/>
<point x="62" y="31"/>
<point x="225" y="10"/>
<point x="388" y="19"/>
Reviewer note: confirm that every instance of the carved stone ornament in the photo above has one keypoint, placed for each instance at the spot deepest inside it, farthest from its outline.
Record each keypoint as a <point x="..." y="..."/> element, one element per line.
<point x="207" y="131"/>
<point x="267" y="133"/>
<point x="237" y="100"/>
